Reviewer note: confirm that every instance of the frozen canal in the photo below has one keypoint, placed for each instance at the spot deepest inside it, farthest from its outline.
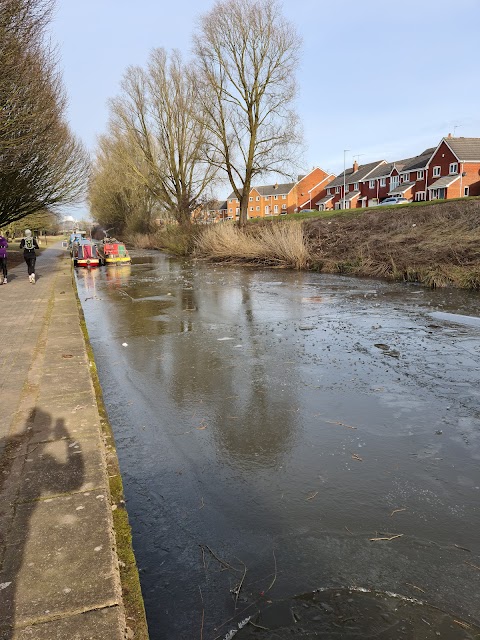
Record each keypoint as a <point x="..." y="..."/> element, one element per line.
<point x="283" y="432"/>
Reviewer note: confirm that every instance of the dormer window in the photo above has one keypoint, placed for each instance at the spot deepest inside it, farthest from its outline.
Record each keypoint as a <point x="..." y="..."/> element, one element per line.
<point x="453" y="168"/>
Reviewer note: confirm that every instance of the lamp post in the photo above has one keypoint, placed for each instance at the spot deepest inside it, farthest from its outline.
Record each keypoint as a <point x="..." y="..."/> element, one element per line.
<point x="344" y="178"/>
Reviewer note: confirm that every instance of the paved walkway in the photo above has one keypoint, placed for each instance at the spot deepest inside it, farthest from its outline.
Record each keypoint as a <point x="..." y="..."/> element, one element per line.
<point x="59" y="575"/>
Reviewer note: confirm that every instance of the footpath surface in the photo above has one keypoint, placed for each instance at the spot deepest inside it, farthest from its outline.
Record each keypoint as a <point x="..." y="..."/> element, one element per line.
<point x="59" y="571"/>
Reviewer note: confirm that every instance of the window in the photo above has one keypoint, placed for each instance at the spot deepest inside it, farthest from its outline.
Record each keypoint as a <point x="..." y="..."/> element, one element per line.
<point x="230" y="201"/>
<point x="355" y="186"/>
<point x="394" y="182"/>
<point x="436" y="172"/>
<point x="258" y="208"/>
<point x="266" y="197"/>
<point x="347" y="188"/>
<point x="267" y="210"/>
<point x="420" y="175"/>
<point x="466" y="191"/>
<point x="453" y="168"/>
<point x="420" y="195"/>
<point x="257" y="198"/>
<point x="371" y="184"/>
<point x="251" y="208"/>
<point x="383" y="182"/>
<point x="275" y="209"/>
<point x="230" y="210"/>
<point x="284" y="206"/>
<point x="284" y="197"/>
<point x="337" y="189"/>
<point x="250" y="199"/>
<point x="405" y="177"/>
<point x="237" y="210"/>
<point x="275" y="197"/>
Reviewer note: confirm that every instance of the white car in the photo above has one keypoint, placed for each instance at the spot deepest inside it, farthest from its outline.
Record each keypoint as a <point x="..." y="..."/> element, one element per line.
<point x="394" y="200"/>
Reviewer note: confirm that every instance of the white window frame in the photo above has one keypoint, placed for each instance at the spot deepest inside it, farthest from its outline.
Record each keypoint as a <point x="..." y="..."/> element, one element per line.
<point x="337" y="189"/>
<point x="405" y="177"/>
<point x="371" y="184"/>
<point x="329" y="192"/>
<point x="284" y="206"/>
<point x="420" y="175"/>
<point x="275" y="208"/>
<point x="394" y="182"/>
<point x="250" y="199"/>
<point x="257" y="198"/>
<point x="237" y="211"/>
<point x="355" y="186"/>
<point x="230" y="201"/>
<point x="453" y="168"/>
<point x="284" y="197"/>
<point x="266" y="197"/>
<point x="267" y="211"/>
<point x="466" y="191"/>
<point x="437" y="171"/>
<point x="420" y="196"/>
<point x="258" y="208"/>
<point x="275" y="197"/>
<point x="383" y="182"/>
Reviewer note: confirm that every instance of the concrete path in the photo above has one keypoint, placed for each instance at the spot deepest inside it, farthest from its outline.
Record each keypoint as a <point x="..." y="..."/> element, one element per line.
<point x="59" y="574"/>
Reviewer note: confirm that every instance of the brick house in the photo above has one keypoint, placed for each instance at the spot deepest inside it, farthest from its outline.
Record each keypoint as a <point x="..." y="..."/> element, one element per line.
<point x="282" y="199"/>
<point x="413" y="177"/>
<point x="454" y="169"/>
<point x="217" y="211"/>
<point x="355" y="192"/>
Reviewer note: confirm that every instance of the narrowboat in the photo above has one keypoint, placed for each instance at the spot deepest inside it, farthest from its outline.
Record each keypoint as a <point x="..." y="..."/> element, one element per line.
<point x="113" y="252"/>
<point x="84" y="253"/>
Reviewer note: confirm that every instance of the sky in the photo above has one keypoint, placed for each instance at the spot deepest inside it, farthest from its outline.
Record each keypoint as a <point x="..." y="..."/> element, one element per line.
<point x="383" y="80"/>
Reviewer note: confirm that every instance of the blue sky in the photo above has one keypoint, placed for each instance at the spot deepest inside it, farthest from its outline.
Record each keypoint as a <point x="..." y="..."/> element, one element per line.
<point x="382" y="79"/>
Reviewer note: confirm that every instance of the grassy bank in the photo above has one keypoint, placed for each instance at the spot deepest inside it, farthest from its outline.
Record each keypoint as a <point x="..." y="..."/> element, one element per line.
<point x="435" y="243"/>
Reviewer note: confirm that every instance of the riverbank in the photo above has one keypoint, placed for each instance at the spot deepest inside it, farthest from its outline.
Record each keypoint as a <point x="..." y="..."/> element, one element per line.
<point x="66" y="564"/>
<point x="435" y="243"/>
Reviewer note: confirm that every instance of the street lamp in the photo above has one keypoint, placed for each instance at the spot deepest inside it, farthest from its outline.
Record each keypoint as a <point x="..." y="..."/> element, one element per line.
<point x="344" y="178"/>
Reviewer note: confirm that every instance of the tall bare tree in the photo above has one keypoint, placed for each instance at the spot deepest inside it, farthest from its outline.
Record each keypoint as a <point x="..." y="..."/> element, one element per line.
<point x="155" y="114"/>
<point x="42" y="165"/>
<point x="247" y="55"/>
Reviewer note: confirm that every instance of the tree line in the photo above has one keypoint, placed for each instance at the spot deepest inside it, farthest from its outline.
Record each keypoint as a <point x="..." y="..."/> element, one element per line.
<point x="179" y="128"/>
<point x="42" y="164"/>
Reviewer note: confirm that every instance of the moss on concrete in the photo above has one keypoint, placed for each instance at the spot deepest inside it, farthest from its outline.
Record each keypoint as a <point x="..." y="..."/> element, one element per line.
<point x="131" y="590"/>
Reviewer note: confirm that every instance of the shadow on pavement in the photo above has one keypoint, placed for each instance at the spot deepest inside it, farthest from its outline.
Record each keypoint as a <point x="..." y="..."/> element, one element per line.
<point x="27" y="461"/>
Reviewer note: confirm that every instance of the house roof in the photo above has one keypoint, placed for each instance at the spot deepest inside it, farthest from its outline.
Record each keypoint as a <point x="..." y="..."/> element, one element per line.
<point x="382" y="171"/>
<point x="401" y="188"/>
<point x="269" y="190"/>
<point x="351" y="195"/>
<point x="218" y="205"/>
<point x="351" y="177"/>
<point x="466" y="149"/>
<point x="446" y="181"/>
<point x="418" y="162"/>
<point x="325" y="199"/>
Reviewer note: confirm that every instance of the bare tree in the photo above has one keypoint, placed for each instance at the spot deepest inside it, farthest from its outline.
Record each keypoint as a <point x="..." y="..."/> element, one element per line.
<point x="247" y="55"/>
<point x="42" y="165"/>
<point x="155" y="114"/>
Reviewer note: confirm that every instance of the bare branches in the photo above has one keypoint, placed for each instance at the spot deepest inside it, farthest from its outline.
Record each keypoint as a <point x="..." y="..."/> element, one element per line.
<point x="247" y="55"/>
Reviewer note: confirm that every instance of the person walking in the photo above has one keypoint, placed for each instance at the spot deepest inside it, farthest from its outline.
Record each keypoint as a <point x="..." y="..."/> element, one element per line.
<point x="29" y="244"/>
<point x="3" y="259"/>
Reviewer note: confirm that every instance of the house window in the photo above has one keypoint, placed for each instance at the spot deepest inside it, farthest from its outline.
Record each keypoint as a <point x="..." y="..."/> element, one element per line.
<point x="237" y="210"/>
<point x="355" y="186"/>
<point x="251" y="199"/>
<point x="267" y="210"/>
<point x="275" y="209"/>
<point x="383" y="182"/>
<point x="230" y="210"/>
<point x="420" y="175"/>
<point x="284" y="206"/>
<point x="453" y="168"/>
<point x="436" y="172"/>
<point x="394" y="182"/>
<point x="329" y="191"/>
<point x="257" y="198"/>
<point x="405" y="177"/>
<point x="337" y="189"/>
<point x="230" y="201"/>
<point x="466" y="191"/>
<point x="275" y="197"/>
<point x="347" y="188"/>
<point x="371" y="184"/>
<point x="266" y="197"/>
<point x="420" y="195"/>
<point x="258" y="208"/>
<point x="284" y="197"/>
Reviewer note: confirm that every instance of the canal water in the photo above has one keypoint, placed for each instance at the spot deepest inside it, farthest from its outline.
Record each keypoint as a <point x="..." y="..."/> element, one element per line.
<point x="293" y="443"/>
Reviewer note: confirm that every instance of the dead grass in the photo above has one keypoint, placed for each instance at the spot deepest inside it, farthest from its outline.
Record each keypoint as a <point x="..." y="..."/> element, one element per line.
<point x="438" y="246"/>
<point x="281" y="245"/>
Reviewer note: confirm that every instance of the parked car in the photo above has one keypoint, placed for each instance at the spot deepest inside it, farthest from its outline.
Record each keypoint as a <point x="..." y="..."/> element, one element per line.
<point x="394" y="200"/>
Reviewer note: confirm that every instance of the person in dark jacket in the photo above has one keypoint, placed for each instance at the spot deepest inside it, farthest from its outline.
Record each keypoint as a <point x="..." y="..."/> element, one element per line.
<point x="3" y="259"/>
<point x="29" y="244"/>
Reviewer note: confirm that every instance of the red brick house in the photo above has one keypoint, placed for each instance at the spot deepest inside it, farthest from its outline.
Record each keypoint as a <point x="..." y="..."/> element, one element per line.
<point x="282" y="199"/>
<point x="454" y="169"/>
<point x="354" y="195"/>
<point x="413" y="177"/>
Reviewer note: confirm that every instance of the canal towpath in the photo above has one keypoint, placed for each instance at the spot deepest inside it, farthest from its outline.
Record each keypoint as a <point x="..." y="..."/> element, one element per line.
<point x="59" y="566"/>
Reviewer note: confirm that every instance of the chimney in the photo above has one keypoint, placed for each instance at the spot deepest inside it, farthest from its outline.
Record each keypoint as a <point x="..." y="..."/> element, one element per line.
<point x="449" y="135"/>
<point x="355" y="166"/>
<point x="275" y="186"/>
